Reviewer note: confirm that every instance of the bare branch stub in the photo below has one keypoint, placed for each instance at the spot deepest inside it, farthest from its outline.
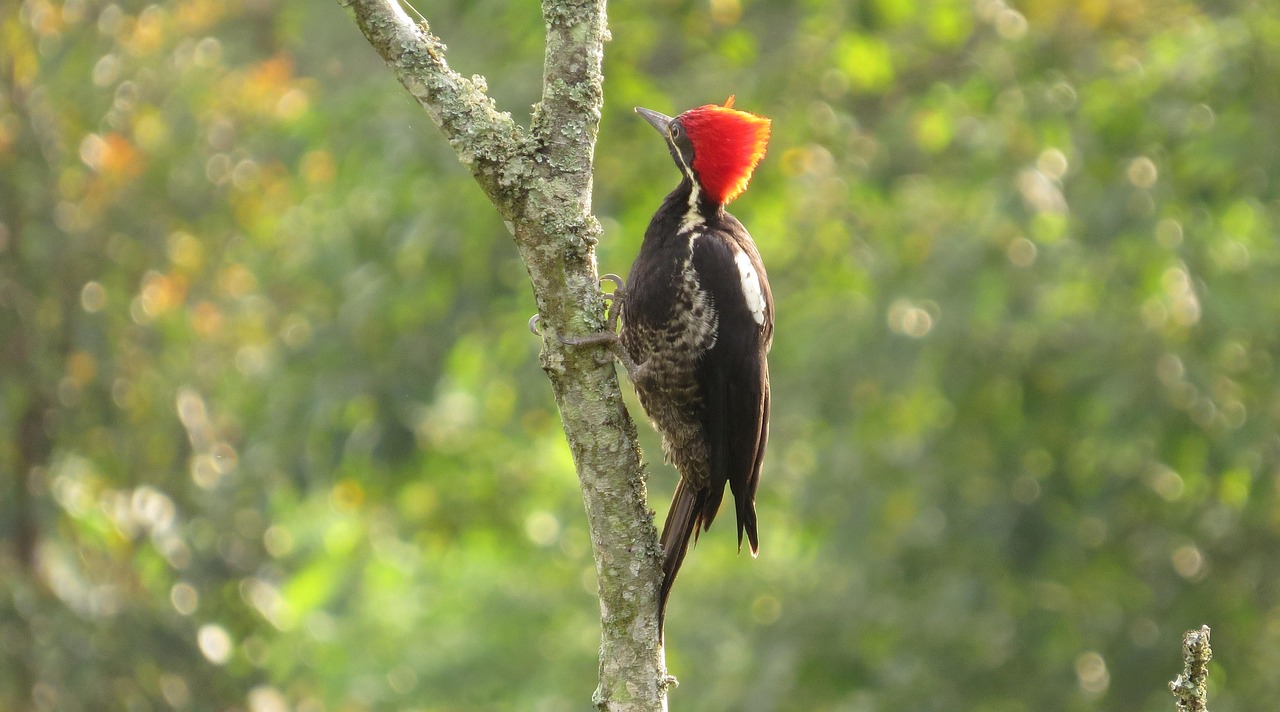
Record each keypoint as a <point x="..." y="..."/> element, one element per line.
<point x="1190" y="687"/>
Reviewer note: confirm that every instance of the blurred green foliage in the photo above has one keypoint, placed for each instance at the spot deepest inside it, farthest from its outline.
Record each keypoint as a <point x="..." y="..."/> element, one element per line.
<point x="275" y="436"/>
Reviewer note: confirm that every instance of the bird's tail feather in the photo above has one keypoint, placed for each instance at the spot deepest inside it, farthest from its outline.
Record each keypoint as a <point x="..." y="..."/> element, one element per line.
<point x="681" y="525"/>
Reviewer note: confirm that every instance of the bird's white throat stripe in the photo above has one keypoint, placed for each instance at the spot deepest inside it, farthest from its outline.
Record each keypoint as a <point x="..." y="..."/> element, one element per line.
<point x="750" y="285"/>
<point x="693" y="218"/>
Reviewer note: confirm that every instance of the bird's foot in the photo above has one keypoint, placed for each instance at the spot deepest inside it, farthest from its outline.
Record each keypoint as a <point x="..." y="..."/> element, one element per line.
<point x="612" y="316"/>
<point x="614" y="299"/>
<point x="637" y="372"/>
<point x="609" y="336"/>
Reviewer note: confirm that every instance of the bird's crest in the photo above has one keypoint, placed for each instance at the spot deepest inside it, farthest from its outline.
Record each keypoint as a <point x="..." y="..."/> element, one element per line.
<point x="727" y="146"/>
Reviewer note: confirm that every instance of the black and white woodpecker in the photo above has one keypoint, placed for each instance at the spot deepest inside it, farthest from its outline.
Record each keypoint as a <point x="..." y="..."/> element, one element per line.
<point x="697" y="324"/>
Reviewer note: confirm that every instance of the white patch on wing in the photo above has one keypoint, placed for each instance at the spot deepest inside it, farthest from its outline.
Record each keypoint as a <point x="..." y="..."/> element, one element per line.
<point x="750" y="285"/>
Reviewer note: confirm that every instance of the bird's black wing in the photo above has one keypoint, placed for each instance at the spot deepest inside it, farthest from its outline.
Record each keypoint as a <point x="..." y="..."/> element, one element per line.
<point x="734" y="374"/>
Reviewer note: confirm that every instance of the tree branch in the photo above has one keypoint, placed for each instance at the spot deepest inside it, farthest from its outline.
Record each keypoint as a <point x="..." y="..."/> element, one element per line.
<point x="485" y="139"/>
<point x="1190" y="688"/>
<point x="540" y="182"/>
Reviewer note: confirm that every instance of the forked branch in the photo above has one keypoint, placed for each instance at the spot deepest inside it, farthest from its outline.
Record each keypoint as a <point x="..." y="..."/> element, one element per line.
<point x="540" y="182"/>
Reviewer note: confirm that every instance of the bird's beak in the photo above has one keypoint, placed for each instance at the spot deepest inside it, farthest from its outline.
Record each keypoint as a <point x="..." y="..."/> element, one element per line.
<point x="655" y="119"/>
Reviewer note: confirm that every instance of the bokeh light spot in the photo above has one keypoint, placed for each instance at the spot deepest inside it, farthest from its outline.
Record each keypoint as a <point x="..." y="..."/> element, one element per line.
<point x="215" y="643"/>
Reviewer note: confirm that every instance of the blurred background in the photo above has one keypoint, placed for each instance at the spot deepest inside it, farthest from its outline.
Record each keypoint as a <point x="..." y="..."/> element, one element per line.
<point x="274" y="437"/>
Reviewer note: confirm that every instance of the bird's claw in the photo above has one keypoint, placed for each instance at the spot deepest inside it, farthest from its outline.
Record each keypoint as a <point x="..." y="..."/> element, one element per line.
<point x="612" y="298"/>
<point x="636" y="372"/>
<point x="615" y="300"/>
<point x="618" y="284"/>
<point x="535" y="321"/>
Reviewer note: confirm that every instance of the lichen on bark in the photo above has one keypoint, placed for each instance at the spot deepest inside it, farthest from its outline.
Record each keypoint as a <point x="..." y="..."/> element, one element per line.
<point x="1190" y="689"/>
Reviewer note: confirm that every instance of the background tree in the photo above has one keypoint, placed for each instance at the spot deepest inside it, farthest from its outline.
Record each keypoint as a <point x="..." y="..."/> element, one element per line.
<point x="267" y="397"/>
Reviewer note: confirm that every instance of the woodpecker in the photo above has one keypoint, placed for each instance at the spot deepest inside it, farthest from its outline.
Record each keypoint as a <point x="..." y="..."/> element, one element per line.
<point x="697" y="324"/>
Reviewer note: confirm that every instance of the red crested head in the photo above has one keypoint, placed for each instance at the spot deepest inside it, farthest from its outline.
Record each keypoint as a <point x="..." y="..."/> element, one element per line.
<point x="727" y="146"/>
<point x="718" y="145"/>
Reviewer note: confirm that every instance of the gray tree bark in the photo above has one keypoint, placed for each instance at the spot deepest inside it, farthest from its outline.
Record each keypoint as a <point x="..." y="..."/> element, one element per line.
<point x="539" y="180"/>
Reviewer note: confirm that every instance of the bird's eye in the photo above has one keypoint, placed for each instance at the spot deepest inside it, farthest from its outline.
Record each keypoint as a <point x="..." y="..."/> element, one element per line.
<point x="676" y="131"/>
